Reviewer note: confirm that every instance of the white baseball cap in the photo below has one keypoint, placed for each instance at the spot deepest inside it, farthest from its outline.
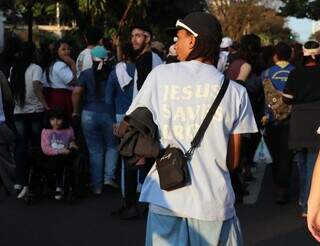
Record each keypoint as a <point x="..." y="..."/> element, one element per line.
<point x="226" y="42"/>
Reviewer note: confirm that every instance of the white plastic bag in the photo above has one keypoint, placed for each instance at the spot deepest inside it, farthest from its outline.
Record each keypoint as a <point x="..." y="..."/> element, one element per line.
<point x="262" y="154"/>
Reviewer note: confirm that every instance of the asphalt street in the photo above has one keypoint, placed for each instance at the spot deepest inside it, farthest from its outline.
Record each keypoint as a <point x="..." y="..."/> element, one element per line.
<point x="88" y="222"/>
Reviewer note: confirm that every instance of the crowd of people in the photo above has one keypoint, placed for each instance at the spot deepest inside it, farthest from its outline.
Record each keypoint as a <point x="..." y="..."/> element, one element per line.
<point x="56" y="106"/>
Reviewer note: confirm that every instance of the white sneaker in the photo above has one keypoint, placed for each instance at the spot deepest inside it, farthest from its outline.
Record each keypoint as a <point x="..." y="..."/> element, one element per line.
<point x="59" y="194"/>
<point x="23" y="192"/>
<point x="17" y="187"/>
<point x="111" y="183"/>
<point x="97" y="191"/>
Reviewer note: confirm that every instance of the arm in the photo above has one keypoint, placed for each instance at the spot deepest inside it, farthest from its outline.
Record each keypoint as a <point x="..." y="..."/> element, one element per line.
<point x="314" y="203"/>
<point x="69" y="61"/>
<point x="289" y="91"/>
<point x="38" y="90"/>
<point x="233" y="154"/>
<point x="244" y="72"/>
<point x="76" y="99"/>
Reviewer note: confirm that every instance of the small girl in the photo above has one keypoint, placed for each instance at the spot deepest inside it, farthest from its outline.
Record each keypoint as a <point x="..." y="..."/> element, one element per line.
<point x="57" y="143"/>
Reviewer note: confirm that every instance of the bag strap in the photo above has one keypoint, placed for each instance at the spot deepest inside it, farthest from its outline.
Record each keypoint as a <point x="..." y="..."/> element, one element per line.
<point x="204" y="125"/>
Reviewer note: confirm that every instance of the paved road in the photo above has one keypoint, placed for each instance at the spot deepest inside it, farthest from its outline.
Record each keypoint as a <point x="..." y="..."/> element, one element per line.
<point x="88" y="223"/>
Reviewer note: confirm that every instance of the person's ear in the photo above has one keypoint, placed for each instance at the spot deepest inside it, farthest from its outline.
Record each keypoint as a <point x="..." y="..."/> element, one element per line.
<point x="192" y="41"/>
<point x="148" y="39"/>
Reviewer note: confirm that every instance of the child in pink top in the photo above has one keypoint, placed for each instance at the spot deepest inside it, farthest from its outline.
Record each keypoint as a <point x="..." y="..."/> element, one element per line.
<point x="58" y="143"/>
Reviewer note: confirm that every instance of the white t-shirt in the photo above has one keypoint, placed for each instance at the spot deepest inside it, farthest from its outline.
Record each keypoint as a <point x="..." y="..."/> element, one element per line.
<point x="32" y="102"/>
<point x="223" y="59"/>
<point x="179" y="96"/>
<point x="84" y="61"/>
<point x="60" y="76"/>
<point x="2" y="117"/>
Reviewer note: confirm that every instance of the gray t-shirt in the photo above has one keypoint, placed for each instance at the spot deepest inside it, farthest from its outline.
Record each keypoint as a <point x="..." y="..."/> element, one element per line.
<point x="32" y="102"/>
<point x="179" y="96"/>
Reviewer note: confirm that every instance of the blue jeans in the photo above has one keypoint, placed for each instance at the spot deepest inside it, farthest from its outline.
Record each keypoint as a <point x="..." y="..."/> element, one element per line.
<point x="102" y="144"/>
<point x="119" y="118"/>
<point x="306" y="159"/>
<point x="28" y="133"/>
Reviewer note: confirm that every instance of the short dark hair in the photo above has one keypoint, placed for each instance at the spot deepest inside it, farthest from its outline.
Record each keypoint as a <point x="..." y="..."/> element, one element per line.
<point x="283" y="51"/>
<point x="93" y="35"/>
<point x="208" y="46"/>
<point x="311" y="45"/>
<point x="142" y="26"/>
<point x="58" y="114"/>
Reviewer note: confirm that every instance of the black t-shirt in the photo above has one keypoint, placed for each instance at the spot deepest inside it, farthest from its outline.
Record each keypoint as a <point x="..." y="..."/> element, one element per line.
<point x="144" y="66"/>
<point x="304" y="84"/>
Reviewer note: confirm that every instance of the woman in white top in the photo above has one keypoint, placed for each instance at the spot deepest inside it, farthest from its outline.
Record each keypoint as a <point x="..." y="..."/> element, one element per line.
<point x="60" y="76"/>
<point x="27" y="80"/>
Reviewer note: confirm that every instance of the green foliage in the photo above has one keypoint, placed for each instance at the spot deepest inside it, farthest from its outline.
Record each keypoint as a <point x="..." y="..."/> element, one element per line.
<point x="301" y="8"/>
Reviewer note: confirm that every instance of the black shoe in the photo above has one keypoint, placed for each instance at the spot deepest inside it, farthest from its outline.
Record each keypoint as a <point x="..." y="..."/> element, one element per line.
<point x="118" y="212"/>
<point x="281" y="196"/>
<point x="131" y="213"/>
<point x="249" y="179"/>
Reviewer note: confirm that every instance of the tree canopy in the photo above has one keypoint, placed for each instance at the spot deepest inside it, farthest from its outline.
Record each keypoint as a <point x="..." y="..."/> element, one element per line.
<point x="301" y="8"/>
<point x="250" y="16"/>
<point x="116" y="16"/>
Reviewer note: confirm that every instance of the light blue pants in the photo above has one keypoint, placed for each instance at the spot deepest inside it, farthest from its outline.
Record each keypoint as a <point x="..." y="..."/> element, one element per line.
<point x="102" y="145"/>
<point x="165" y="230"/>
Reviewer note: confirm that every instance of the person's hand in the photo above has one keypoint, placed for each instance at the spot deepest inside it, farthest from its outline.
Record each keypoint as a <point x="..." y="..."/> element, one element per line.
<point x="73" y="145"/>
<point x="65" y="151"/>
<point x="68" y="60"/>
<point x="116" y="129"/>
<point x="75" y="115"/>
<point x="264" y="120"/>
<point x="116" y="40"/>
<point x="313" y="219"/>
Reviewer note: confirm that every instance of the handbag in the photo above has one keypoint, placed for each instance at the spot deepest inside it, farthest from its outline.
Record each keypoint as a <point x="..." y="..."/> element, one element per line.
<point x="274" y="100"/>
<point x="262" y="154"/>
<point x="172" y="165"/>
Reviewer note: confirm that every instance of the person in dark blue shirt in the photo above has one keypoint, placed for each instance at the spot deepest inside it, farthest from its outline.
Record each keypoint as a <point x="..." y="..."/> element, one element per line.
<point x="278" y="131"/>
<point x="97" y="119"/>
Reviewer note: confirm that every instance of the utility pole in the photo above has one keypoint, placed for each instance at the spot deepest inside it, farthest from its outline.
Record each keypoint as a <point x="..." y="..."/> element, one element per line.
<point x="2" y="20"/>
<point x="58" y="18"/>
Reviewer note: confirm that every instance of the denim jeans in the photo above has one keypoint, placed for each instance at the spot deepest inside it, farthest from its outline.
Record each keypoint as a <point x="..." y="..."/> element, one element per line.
<point x="102" y="145"/>
<point x="119" y="118"/>
<point x="28" y="133"/>
<point x="306" y="159"/>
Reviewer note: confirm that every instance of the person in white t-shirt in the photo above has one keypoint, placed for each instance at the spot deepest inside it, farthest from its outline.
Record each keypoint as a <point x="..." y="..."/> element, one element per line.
<point x="84" y="61"/>
<point x="179" y="96"/>
<point x="27" y="80"/>
<point x="225" y="45"/>
<point x="60" y="77"/>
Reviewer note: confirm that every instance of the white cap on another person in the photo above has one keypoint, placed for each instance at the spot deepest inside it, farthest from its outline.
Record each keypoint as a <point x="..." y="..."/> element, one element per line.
<point x="226" y="42"/>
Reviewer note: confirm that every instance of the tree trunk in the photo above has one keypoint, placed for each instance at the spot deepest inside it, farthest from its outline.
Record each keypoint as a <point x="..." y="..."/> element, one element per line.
<point x="29" y="16"/>
<point x="74" y="6"/>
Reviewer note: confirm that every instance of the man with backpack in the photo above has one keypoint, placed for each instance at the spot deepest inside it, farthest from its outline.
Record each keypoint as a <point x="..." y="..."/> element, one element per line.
<point x="276" y="120"/>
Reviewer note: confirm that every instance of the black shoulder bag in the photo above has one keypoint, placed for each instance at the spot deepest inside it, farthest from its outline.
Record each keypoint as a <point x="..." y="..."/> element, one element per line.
<point x="172" y="165"/>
